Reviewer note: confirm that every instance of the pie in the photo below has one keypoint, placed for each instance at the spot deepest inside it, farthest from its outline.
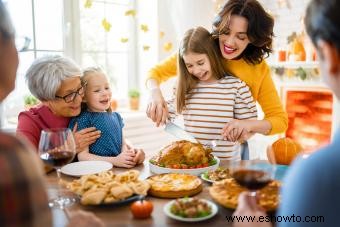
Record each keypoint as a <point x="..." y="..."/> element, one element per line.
<point x="174" y="185"/>
<point x="226" y="193"/>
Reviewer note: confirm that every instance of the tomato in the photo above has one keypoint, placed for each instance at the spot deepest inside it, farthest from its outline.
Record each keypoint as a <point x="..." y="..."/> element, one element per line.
<point x="141" y="209"/>
<point x="184" y="166"/>
<point x="199" y="166"/>
<point x="205" y="164"/>
<point x="175" y="166"/>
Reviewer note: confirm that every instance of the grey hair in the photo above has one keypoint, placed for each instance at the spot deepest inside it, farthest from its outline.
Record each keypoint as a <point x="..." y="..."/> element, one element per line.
<point x="6" y="27"/>
<point x="45" y="75"/>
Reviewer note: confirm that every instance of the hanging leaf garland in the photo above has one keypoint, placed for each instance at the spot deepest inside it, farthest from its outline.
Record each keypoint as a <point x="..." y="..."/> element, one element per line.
<point x="88" y="4"/>
<point x="167" y="46"/>
<point x="146" y="47"/>
<point x="161" y="34"/>
<point x="144" y="27"/>
<point x="106" y="25"/>
<point x="124" y="40"/>
<point x="130" y="12"/>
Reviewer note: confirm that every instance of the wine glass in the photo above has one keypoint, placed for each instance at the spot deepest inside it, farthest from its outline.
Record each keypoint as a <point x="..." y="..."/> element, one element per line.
<point x="252" y="174"/>
<point x="57" y="148"/>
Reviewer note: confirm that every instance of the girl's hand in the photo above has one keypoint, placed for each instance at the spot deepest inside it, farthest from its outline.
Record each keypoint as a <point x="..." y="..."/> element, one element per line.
<point x="157" y="109"/>
<point x="85" y="137"/>
<point x="125" y="159"/>
<point x="236" y="130"/>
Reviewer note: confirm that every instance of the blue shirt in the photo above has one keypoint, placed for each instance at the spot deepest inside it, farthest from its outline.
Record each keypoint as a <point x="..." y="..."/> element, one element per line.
<point x="312" y="188"/>
<point x="110" y="124"/>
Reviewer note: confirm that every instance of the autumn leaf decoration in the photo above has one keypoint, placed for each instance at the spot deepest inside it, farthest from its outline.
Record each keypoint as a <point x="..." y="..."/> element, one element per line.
<point x="167" y="46"/>
<point x="124" y="40"/>
<point x="130" y="12"/>
<point x="146" y="47"/>
<point x="88" y="4"/>
<point x="144" y="27"/>
<point x="106" y="25"/>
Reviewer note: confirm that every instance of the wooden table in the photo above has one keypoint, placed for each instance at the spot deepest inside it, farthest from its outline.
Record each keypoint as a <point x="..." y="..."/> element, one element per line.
<point x="121" y="215"/>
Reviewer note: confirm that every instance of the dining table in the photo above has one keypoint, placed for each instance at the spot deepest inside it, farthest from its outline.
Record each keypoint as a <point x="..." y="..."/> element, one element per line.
<point x="120" y="215"/>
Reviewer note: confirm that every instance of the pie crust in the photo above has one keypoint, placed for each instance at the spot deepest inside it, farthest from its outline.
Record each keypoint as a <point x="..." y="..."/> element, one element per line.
<point x="174" y="185"/>
<point x="226" y="192"/>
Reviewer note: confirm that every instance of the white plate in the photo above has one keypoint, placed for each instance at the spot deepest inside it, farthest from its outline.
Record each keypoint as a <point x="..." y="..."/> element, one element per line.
<point x="214" y="210"/>
<point x="205" y="178"/>
<point x="81" y="168"/>
<point x="197" y="171"/>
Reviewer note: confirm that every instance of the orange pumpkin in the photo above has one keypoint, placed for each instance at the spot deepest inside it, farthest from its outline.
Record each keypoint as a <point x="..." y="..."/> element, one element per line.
<point x="141" y="209"/>
<point x="283" y="151"/>
<point x="114" y="104"/>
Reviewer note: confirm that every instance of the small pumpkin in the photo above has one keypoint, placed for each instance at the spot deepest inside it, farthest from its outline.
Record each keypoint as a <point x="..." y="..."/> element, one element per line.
<point x="141" y="209"/>
<point x="283" y="151"/>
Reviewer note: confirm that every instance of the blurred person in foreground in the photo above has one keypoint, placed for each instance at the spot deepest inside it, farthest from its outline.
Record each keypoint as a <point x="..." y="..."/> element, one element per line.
<point x="23" y="198"/>
<point x="310" y="193"/>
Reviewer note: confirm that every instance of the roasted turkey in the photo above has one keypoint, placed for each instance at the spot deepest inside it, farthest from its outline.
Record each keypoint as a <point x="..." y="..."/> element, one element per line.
<point x="183" y="152"/>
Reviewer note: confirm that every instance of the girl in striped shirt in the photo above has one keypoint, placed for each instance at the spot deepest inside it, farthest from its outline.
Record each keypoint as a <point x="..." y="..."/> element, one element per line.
<point x="206" y="95"/>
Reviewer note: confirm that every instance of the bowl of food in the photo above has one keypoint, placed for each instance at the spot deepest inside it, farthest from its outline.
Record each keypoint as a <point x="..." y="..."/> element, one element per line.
<point x="184" y="157"/>
<point x="190" y="209"/>
<point x="218" y="174"/>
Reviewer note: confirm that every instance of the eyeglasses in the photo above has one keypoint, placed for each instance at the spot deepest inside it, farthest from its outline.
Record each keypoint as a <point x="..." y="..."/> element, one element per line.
<point x="72" y="96"/>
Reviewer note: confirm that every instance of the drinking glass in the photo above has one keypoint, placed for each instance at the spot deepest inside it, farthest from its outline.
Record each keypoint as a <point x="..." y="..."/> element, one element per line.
<point x="252" y="174"/>
<point x="57" y="148"/>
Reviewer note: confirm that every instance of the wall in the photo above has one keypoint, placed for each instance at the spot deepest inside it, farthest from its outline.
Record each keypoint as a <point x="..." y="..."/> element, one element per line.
<point x="288" y="18"/>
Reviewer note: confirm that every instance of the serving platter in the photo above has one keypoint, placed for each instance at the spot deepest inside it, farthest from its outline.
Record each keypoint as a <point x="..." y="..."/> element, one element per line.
<point x="167" y="211"/>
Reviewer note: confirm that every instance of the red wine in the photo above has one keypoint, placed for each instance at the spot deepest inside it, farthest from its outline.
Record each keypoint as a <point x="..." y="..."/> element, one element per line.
<point x="57" y="158"/>
<point x="251" y="179"/>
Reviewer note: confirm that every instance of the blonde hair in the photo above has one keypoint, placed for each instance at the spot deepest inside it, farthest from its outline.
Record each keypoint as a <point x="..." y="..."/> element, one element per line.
<point x="87" y="74"/>
<point x="196" y="40"/>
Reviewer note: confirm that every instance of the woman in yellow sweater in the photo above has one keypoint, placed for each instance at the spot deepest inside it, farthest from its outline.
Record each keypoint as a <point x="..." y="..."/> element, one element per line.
<point x="244" y="33"/>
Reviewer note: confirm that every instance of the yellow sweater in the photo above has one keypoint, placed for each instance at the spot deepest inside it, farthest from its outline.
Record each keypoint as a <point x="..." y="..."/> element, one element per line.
<point x="257" y="77"/>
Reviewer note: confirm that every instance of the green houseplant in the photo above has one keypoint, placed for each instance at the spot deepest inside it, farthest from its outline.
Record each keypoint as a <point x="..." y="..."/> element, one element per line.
<point x="134" y="95"/>
<point x="30" y="101"/>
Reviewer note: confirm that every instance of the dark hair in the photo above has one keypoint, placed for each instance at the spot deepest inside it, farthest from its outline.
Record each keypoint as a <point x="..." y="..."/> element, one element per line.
<point x="323" y="21"/>
<point x="6" y="28"/>
<point x="196" y="40"/>
<point x="260" y="27"/>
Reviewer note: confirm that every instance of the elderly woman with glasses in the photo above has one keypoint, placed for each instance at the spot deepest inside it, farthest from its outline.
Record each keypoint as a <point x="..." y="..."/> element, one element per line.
<point x="23" y="196"/>
<point x="55" y="81"/>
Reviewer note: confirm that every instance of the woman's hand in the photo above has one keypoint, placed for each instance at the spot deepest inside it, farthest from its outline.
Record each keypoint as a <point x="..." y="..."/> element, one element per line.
<point x="241" y="130"/>
<point x="81" y="218"/>
<point x="85" y="137"/>
<point x="237" y="130"/>
<point x="248" y="208"/>
<point x="157" y="109"/>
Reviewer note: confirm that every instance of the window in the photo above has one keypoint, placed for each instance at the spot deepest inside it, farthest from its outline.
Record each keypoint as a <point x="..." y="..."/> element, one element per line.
<point x="112" y="49"/>
<point x="75" y="29"/>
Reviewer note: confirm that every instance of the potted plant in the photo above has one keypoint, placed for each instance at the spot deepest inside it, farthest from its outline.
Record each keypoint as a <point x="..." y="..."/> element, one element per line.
<point x="134" y="99"/>
<point x="30" y="101"/>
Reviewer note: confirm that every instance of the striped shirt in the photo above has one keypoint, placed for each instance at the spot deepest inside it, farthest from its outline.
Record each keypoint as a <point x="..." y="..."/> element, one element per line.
<point x="209" y="106"/>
